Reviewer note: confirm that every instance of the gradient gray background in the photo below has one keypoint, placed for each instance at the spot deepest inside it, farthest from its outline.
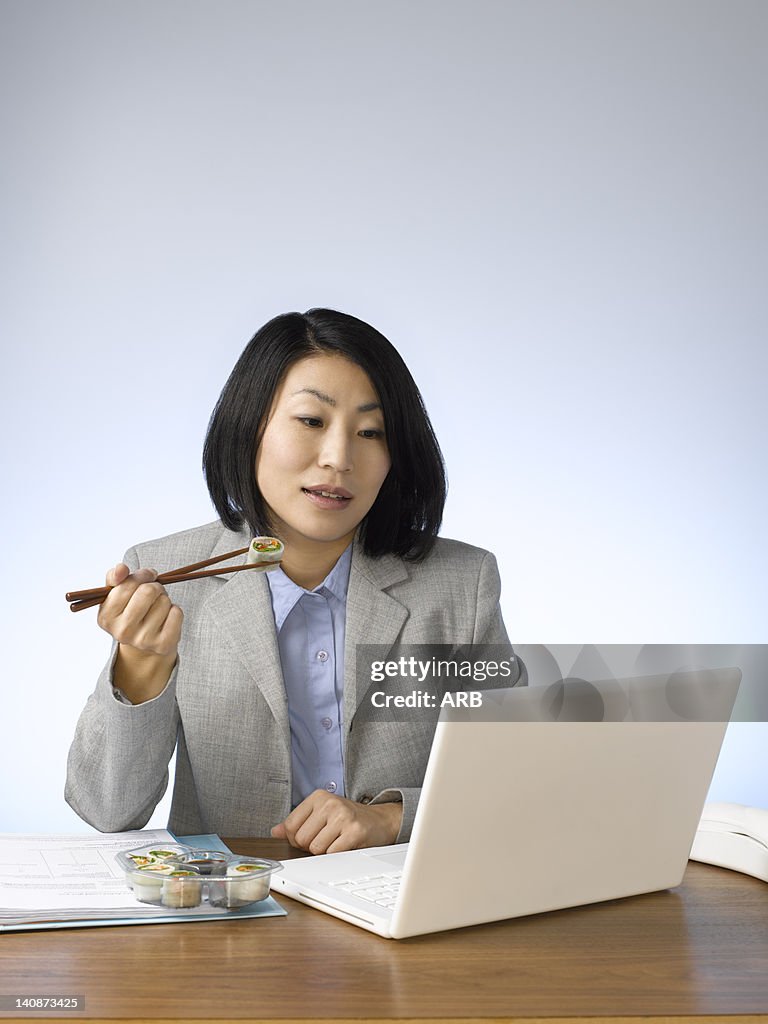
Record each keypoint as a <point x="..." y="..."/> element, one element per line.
<point x="555" y="210"/>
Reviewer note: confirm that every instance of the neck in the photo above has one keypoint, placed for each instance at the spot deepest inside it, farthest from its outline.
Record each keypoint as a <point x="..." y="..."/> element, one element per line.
<point x="307" y="563"/>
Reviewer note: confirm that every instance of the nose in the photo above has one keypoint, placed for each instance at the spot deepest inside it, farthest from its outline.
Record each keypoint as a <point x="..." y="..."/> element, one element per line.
<point x="336" y="451"/>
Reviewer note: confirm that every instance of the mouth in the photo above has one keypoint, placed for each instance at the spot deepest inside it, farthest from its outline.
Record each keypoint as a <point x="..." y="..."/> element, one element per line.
<point x="328" y="497"/>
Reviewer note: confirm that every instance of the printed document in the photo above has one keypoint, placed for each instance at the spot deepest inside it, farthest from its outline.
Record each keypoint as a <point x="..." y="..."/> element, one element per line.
<point x="46" y="878"/>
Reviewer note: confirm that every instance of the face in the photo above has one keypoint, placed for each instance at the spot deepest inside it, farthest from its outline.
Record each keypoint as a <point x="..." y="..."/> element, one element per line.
<point x="323" y="455"/>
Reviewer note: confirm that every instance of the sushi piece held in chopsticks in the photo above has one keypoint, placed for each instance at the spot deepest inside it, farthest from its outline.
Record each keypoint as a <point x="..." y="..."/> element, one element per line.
<point x="265" y="549"/>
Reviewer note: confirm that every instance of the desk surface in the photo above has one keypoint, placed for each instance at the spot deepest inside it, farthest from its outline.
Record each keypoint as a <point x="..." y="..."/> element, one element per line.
<point x="701" y="949"/>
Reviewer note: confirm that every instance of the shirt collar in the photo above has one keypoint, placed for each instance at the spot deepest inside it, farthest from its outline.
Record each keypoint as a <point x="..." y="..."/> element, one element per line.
<point x="286" y="594"/>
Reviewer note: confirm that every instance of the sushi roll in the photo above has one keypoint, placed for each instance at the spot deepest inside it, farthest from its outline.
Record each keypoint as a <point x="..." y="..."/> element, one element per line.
<point x="245" y="883"/>
<point x="147" y="882"/>
<point x="251" y="880"/>
<point x="140" y="861"/>
<point x="182" y="889"/>
<point x="265" y="549"/>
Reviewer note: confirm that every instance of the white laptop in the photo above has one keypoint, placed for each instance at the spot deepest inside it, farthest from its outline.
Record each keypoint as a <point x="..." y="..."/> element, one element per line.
<point x="523" y="811"/>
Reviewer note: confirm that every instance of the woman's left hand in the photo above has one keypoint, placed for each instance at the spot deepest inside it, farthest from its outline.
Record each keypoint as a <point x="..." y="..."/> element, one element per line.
<point x="324" y="823"/>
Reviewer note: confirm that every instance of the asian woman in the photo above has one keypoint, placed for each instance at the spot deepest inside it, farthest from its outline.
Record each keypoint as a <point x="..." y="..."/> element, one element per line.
<point x="320" y="438"/>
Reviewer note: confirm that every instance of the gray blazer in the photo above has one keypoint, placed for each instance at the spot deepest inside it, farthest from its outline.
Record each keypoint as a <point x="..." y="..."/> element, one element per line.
<point x="224" y="709"/>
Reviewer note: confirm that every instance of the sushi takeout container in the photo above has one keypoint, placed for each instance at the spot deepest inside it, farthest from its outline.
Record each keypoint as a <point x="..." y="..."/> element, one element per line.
<point x="178" y="877"/>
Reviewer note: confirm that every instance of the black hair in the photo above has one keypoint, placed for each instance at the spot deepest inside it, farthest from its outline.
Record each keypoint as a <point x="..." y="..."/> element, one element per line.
<point x="406" y="515"/>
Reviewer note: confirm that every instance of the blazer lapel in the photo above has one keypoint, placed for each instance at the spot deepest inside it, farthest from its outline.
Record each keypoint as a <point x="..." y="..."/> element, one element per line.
<point x="242" y="610"/>
<point x="373" y="617"/>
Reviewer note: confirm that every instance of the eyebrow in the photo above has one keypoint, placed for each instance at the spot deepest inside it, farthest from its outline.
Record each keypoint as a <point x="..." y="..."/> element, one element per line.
<point x="366" y="407"/>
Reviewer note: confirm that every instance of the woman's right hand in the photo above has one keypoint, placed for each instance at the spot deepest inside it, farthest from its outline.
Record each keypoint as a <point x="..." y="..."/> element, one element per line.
<point x="139" y="614"/>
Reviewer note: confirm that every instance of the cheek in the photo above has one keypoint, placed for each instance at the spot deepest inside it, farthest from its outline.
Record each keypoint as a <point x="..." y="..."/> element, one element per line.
<point x="383" y="466"/>
<point x="269" y="466"/>
<point x="279" y="451"/>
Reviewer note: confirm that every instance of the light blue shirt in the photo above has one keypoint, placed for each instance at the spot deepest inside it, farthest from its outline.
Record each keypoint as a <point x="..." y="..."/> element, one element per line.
<point x="310" y="636"/>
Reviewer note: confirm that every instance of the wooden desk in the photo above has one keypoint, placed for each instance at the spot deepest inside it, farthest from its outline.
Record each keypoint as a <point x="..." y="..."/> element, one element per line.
<point x="699" y="950"/>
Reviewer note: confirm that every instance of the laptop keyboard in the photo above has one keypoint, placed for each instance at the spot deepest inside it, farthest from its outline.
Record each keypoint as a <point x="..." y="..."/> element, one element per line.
<point x="378" y="889"/>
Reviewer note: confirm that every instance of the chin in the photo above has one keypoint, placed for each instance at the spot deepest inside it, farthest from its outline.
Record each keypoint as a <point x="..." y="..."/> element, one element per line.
<point x="315" y="534"/>
<point x="329" y="538"/>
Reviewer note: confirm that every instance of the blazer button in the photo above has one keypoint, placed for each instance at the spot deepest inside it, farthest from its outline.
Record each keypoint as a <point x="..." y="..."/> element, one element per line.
<point x="365" y="799"/>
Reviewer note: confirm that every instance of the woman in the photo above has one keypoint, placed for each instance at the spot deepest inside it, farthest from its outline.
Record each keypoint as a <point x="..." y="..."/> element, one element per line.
<point x="320" y="438"/>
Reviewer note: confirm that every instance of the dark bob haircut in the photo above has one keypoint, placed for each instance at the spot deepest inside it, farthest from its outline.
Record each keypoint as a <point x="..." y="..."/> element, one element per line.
<point x="408" y="510"/>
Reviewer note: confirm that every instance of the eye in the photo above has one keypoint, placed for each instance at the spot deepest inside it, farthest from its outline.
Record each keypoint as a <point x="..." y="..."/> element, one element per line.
<point x="310" y="421"/>
<point x="372" y="434"/>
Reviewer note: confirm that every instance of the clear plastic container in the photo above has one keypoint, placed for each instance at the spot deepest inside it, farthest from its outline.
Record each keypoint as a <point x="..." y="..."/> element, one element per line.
<point x="178" y="877"/>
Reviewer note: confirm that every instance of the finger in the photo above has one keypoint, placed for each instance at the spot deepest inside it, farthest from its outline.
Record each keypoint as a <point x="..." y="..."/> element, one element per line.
<point x="121" y="572"/>
<point x="305" y="835"/>
<point x="117" y="574"/>
<point x="170" y="634"/>
<point x="298" y="816"/>
<point x="149" y="627"/>
<point x="328" y="836"/>
<point x="346" y="841"/>
<point x="125" y="608"/>
<point x="117" y="599"/>
<point x="326" y="808"/>
<point x="298" y="819"/>
<point x="138" y="596"/>
<point x="144" y="575"/>
<point x="161" y="628"/>
<point x="278" y="831"/>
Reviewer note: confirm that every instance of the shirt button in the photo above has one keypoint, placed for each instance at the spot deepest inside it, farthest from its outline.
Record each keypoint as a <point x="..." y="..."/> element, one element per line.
<point x="322" y="655"/>
<point x="331" y="787"/>
<point x="326" y="723"/>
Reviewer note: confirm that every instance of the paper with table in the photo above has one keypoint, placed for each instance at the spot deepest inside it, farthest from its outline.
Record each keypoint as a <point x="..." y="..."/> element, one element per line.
<point x="60" y="881"/>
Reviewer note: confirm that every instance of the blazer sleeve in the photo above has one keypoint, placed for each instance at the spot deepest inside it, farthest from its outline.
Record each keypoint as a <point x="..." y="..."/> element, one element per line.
<point x="488" y="629"/>
<point x="117" y="769"/>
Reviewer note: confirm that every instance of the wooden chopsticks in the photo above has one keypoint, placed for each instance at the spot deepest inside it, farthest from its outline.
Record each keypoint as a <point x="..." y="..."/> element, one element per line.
<point x="81" y="599"/>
